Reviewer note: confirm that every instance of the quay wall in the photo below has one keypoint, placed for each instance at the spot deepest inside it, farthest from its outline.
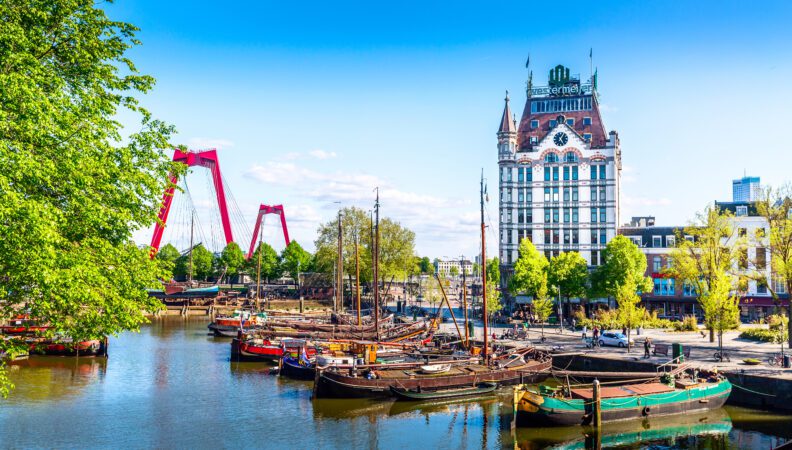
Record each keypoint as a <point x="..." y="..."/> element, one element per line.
<point x="764" y="391"/>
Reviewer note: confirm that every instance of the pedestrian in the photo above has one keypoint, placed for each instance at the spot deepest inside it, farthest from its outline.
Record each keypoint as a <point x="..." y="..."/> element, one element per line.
<point x="595" y="336"/>
<point x="624" y="331"/>
<point x="574" y="324"/>
<point x="585" y="329"/>
<point x="647" y="347"/>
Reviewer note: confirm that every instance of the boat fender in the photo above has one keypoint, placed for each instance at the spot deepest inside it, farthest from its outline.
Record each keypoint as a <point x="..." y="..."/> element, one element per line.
<point x="646" y="410"/>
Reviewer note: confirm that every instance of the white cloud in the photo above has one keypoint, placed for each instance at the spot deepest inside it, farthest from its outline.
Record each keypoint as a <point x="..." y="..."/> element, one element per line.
<point x="321" y="154"/>
<point x="643" y="201"/>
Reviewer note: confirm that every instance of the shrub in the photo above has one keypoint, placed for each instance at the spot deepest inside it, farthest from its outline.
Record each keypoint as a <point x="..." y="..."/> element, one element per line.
<point x="688" y="323"/>
<point x="759" y="334"/>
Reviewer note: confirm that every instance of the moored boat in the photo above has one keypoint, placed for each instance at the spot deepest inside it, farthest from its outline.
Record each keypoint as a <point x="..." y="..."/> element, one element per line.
<point x="259" y="349"/>
<point x="479" y="389"/>
<point x="229" y="326"/>
<point x="65" y="346"/>
<point x="623" y="402"/>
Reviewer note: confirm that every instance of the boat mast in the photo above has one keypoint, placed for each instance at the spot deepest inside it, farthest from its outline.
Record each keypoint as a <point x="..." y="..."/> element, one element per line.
<point x="339" y="306"/>
<point x="464" y="300"/>
<point x="376" y="266"/>
<point x="357" y="277"/>
<point x="483" y="271"/>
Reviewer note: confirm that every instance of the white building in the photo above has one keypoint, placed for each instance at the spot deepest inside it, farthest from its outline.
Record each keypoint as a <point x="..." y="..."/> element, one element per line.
<point x="443" y="268"/>
<point x="559" y="172"/>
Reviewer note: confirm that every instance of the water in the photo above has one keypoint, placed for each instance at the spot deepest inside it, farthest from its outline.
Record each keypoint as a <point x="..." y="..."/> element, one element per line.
<point x="173" y="386"/>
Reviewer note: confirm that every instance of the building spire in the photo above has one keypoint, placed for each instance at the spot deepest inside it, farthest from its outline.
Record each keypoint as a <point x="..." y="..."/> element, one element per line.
<point x="506" y="124"/>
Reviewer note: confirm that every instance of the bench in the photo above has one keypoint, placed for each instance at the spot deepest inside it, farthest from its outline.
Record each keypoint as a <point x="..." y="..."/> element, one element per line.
<point x="660" y="349"/>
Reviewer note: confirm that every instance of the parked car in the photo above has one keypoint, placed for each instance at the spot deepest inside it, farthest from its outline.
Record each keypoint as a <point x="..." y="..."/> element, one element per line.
<point x="613" y="338"/>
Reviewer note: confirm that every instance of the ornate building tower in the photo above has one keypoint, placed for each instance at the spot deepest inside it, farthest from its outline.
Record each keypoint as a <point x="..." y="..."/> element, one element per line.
<point x="559" y="172"/>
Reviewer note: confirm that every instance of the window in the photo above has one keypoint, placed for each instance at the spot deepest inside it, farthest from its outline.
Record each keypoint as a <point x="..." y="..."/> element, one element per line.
<point x="529" y="216"/>
<point x="742" y="258"/>
<point x="603" y="237"/>
<point x="503" y="174"/>
<point x="593" y="215"/>
<point x="528" y="174"/>
<point x="602" y="172"/>
<point x="555" y="194"/>
<point x="508" y="174"/>
<point x="555" y="236"/>
<point x="534" y="124"/>
<point x="587" y="137"/>
<point x="574" y="172"/>
<point x="742" y="232"/>
<point x="510" y="237"/>
<point x="555" y="173"/>
<point x="593" y="170"/>
<point x="509" y="216"/>
<point x="760" y="233"/>
<point x="593" y="194"/>
<point x="546" y="236"/>
<point x="547" y="215"/>
<point x="688" y="290"/>
<point x="555" y="215"/>
<point x="603" y="216"/>
<point x="575" y="239"/>
<point x="594" y="258"/>
<point x="587" y="121"/>
<point x="566" y="215"/>
<point x="553" y="123"/>
<point x="761" y="258"/>
<point x="570" y="122"/>
<point x="566" y="173"/>
<point x="689" y="238"/>
<point x="534" y="140"/>
<point x="520" y="196"/>
<point x="547" y="172"/>
<point x="551" y="158"/>
<point x="664" y="286"/>
<point x="602" y="194"/>
<point x="636" y="240"/>
<point x="574" y="215"/>
<point x="657" y="264"/>
<point x="528" y="195"/>
<point x="547" y="194"/>
<point x="570" y="157"/>
<point x="521" y="175"/>
<point x="567" y="237"/>
<point x="742" y="211"/>
<point x="761" y="287"/>
<point x="657" y="241"/>
<point x="574" y="194"/>
<point x="566" y="194"/>
<point x="521" y="216"/>
<point x="670" y="241"/>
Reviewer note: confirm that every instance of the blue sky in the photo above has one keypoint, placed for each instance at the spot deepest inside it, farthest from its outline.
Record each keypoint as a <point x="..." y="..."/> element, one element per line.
<point x="311" y="104"/>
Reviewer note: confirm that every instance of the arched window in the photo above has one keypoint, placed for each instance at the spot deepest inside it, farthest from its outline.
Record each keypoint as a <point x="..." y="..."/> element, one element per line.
<point x="570" y="157"/>
<point x="551" y="158"/>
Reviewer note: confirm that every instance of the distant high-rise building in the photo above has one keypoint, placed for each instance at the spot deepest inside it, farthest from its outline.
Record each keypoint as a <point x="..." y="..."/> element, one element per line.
<point x="746" y="189"/>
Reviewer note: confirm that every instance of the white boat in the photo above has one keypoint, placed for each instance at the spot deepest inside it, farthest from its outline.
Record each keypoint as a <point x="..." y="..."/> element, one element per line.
<point x="436" y="368"/>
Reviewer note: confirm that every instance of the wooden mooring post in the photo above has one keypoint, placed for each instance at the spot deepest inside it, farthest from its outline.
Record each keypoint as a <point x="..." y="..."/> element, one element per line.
<point x="597" y="404"/>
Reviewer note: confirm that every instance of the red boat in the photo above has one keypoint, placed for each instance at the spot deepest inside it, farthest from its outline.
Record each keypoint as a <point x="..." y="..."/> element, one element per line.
<point x="22" y="324"/>
<point x="267" y="350"/>
<point x="229" y="326"/>
<point x="66" y="347"/>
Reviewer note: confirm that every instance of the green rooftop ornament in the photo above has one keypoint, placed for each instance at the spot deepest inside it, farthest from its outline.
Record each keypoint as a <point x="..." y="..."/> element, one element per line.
<point x="559" y="76"/>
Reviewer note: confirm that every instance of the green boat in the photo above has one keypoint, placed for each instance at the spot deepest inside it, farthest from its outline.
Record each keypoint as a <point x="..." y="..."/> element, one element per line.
<point x="575" y="406"/>
<point x="479" y="389"/>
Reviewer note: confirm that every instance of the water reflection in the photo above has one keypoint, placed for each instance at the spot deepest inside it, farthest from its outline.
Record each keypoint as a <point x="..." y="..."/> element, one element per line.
<point x="43" y="378"/>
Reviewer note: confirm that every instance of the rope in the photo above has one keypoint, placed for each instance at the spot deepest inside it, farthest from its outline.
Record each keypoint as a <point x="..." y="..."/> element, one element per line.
<point x="752" y="391"/>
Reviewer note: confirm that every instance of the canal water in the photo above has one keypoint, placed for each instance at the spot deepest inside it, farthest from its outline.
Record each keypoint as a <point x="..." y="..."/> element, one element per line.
<point x="173" y="386"/>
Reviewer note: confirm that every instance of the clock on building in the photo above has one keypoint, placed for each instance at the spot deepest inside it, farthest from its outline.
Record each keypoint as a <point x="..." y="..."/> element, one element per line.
<point x="560" y="139"/>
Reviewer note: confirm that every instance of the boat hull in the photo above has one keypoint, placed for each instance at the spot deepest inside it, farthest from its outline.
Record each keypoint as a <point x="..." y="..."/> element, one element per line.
<point x="335" y="384"/>
<point x="267" y="352"/>
<point x="480" y="389"/>
<point x="292" y="369"/>
<point x="533" y="409"/>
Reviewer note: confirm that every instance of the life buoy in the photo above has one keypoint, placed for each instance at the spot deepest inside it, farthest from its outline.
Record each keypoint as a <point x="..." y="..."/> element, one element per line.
<point x="646" y="410"/>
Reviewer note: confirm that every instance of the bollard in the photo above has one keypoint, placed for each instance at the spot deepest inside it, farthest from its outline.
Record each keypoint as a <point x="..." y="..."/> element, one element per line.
<point x="595" y="398"/>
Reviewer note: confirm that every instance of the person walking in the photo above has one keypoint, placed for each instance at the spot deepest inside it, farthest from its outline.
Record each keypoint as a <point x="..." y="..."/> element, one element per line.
<point x="585" y="329"/>
<point x="595" y="336"/>
<point x="647" y="347"/>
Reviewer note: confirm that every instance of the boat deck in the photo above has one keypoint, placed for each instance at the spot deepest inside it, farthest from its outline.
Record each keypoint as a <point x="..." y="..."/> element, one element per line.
<point x="623" y="391"/>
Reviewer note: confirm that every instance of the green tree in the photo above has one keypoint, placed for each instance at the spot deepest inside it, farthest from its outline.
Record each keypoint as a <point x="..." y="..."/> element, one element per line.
<point x="73" y="189"/>
<point x="542" y="308"/>
<point x="568" y="272"/>
<point x="270" y="263"/>
<point x="713" y="251"/>
<point x="493" y="270"/>
<point x="530" y="271"/>
<point x="454" y="271"/>
<point x="775" y="206"/>
<point x="202" y="264"/>
<point x="231" y="260"/>
<point x="721" y="309"/>
<point x="425" y="265"/>
<point x="629" y="314"/>
<point x="295" y="259"/>
<point x="624" y="263"/>
<point x="168" y="256"/>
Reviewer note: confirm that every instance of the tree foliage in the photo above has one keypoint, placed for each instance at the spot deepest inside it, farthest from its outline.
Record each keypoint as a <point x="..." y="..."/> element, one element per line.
<point x="425" y="266"/>
<point x="530" y="271"/>
<point x="270" y="263"/>
<point x="231" y="260"/>
<point x="168" y="255"/>
<point x="295" y="259"/>
<point x="624" y="263"/>
<point x="569" y="272"/>
<point x="721" y="308"/>
<point x="776" y="207"/>
<point x="73" y="189"/>
<point x="493" y="270"/>
<point x="629" y="314"/>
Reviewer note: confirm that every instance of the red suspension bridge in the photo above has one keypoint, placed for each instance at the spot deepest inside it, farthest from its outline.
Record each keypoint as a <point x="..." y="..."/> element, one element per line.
<point x="226" y="205"/>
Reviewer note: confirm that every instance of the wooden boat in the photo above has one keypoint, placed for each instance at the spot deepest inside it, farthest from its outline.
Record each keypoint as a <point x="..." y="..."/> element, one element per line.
<point x="230" y="326"/>
<point x="173" y="293"/>
<point x="65" y="346"/>
<point x="376" y="380"/>
<point x="22" y="325"/>
<point x="436" y="368"/>
<point x="266" y="350"/>
<point x="479" y="389"/>
<point x="624" y="402"/>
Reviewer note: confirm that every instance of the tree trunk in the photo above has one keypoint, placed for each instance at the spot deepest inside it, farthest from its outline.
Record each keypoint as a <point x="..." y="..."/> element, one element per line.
<point x="789" y="313"/>
<point x="712" y="333"/>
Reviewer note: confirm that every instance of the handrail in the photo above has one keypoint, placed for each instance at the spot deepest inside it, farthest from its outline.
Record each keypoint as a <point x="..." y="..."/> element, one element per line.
<point x="673" y="361"/>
